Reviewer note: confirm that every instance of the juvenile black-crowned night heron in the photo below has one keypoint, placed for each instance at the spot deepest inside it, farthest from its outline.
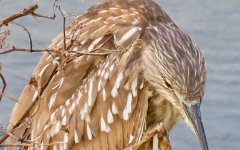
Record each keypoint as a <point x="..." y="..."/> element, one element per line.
<point x="124" y="67"/>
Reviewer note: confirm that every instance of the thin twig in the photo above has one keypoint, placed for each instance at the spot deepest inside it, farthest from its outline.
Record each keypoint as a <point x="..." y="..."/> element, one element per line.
<point x="4" y="35"/>
<point x="64" y="24"/>
<point x="94" y="54"/>
<point x="10" y="98"/>
<point x="29" y="35"/>
<point x="45" y="16"/>
<point x="26" y="113"/>
<point x="17" y="145"/>
<point x="4" y="85"/>
<point x="14" y="49"/>
<point x="6" y="132"/>
<point x="22" y="13"/>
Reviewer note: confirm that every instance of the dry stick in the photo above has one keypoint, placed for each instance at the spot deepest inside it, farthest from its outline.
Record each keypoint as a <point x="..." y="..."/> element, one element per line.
<point x="22" y="13"/>
<point x="30" y="145"/>
<point x="64" y="22"/>
<point x="10" y="134"/>
<point x="23" y="142"/>
<point x="4" y="85"/>
<point x="17" y="145"/>
<point x="17" y="49"/>
<point x="11" y="98"/>
<point x="26" y="143"/>
<point x="3" y="36"/>
<point x="5" y="21"/>
<point x="22" y="117"/>
<point x="94" y="54"/>
<point x="26" y="113"/>
<point x="25" y="12"/>
<point x="14" y="49"/>
<point x="44" y="16"/>
<point x="29" y="35"/>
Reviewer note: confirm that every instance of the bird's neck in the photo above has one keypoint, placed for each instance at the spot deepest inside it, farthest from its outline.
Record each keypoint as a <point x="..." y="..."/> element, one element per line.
<point x="162" y="111"/>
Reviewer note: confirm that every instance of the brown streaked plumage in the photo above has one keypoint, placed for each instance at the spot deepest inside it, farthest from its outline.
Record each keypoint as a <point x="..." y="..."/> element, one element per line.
<point x="144" y="70"/>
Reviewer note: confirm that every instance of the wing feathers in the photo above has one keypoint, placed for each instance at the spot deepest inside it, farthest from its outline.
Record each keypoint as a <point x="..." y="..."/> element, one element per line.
<point x="92" y="101"/>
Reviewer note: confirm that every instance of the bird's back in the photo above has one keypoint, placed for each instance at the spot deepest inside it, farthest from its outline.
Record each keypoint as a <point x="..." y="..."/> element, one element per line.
<point x="89" y="92"/>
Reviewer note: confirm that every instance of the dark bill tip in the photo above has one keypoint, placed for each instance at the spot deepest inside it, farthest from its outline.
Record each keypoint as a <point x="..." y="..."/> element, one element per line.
<point x="194" y="116"/>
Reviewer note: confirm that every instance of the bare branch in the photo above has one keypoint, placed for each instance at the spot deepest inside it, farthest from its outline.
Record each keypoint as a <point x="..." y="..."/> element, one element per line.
<point x="4" y="84"/>
<point x="3" y="35"/>
<point x="14" y="49"/>
<point x="21" y="119"/>
<point x="44" y="16"/>
<point x="17" y="145"/>
<point x="22" y="13"/>
<point x="47" y="17"/>
<point x="64" y="24"/>
<point x="6" y="132"/>
<point x="29" y="35"/>
<point x="94" y="54"/>
<point x="10" y="98"/>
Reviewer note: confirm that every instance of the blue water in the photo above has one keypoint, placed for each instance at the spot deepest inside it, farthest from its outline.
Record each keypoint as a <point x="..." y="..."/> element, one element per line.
<point x="213" y="24"/>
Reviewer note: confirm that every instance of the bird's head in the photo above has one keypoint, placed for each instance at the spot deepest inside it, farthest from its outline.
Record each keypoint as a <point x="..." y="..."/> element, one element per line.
<point x="175" y="67"/>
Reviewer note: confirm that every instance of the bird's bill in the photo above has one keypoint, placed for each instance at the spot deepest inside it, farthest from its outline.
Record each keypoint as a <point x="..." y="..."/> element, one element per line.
<point x="193" y="115"/>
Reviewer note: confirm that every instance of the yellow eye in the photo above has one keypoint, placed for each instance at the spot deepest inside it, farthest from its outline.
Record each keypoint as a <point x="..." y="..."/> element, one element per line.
<point x="168" y="84"/>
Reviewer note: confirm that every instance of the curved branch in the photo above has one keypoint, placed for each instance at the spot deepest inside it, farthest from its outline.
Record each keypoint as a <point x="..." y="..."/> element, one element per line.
<point x="4" y="86"/>
<point x="29" y="35"/>
<point x="24" y="12"/>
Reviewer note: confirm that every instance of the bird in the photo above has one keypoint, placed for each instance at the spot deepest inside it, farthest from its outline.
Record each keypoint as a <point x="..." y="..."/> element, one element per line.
<point x="114" y="74"/>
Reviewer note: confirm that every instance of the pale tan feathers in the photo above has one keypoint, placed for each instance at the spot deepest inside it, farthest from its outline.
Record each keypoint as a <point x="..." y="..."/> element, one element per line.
<point x="92" y="101"/>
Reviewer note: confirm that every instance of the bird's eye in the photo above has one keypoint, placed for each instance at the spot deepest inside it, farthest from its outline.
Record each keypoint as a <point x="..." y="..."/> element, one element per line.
<point x="167" y="83"/>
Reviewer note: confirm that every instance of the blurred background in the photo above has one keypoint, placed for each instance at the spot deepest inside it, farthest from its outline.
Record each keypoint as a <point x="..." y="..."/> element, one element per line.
<point x="213" y="24"/>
